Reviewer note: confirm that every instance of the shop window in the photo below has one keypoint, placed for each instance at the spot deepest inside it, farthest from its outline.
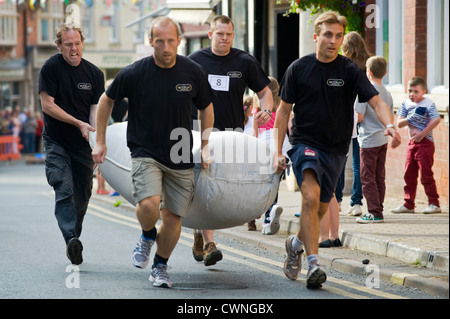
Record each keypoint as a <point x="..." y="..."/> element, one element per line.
<point x="389" y="39"/>
<point x="50" y="17"/>
<point x="239" y="16"/>
<point x="8" y="23"/>
<point x="437" y="45"/>
<point x="88" y="23"/>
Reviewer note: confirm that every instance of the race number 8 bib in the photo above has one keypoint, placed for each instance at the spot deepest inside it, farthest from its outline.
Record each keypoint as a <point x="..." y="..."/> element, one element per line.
<point x="219" y="82"/>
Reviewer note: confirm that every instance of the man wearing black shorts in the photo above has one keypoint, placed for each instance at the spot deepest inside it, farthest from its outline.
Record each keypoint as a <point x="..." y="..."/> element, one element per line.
<point x="322" y="88"/>
<point x="70" y="88"/>
<point x="160" y="90"/>
<point x="230" y="71"/>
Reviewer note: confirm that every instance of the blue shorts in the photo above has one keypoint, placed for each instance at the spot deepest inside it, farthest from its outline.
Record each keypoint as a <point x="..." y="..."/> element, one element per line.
<point x="327" y="167"/>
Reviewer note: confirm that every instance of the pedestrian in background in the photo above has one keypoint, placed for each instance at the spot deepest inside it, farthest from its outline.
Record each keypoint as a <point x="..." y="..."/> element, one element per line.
<point x="373" y="144"/>
<point x="249" y="110"/>
<point x="354" y="47"/>
<point x="29" y="131"/>
<point x="230" y="71"/>
<point x="420" y="115"/>
<point x="38" y="133"/>
<point x="271" y="221"/>
<point x="321" y="86"/>
<point x="70" y="87"/>
<point x="162" y="186"/>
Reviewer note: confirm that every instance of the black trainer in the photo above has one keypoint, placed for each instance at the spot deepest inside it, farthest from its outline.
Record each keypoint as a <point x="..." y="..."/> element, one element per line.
<point x="74" y="251"/>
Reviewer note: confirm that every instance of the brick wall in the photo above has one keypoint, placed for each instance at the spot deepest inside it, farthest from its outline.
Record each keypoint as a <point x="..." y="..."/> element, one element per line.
<point x="369" y="33"/>
<point x="415" y="39"/>
<point x="395" y="165"/>
<point x="415" y="64"/>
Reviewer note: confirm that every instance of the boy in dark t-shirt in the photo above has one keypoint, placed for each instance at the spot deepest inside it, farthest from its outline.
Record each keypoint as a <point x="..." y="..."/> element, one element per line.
<point x="322" y="86"/>
<point x="70" y="88"/>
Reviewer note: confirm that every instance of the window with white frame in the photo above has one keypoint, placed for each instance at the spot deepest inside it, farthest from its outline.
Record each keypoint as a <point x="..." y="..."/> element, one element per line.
<point x="8" y="23"/>
<point x="114" y="27"/>
<point x="239" y="16"/>
<point x="50" y="17"/>
<point x="389" y="39"/>
<point x="87" y="22"/>
<point x="437" y="45"/>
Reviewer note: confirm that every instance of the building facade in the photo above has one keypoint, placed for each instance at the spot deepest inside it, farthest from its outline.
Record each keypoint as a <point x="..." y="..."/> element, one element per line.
<point x="411" y="34"/>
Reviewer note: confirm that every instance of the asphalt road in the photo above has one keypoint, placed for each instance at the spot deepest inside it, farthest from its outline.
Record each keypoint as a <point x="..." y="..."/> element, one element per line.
<point x="33" y="262"/>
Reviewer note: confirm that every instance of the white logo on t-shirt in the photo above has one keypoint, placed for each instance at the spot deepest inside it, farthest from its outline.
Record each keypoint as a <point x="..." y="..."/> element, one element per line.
<point x="85" y="86"/>
<point x="335" y="82"/>
<point x="183" y="87"/>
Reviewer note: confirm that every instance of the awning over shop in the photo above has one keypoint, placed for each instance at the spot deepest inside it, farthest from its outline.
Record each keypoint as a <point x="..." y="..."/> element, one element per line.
<point x="191" y="4"/>
<point x="12" y="69"/>
<point x="191" y="16"/>
<point x="183" y="11"/>
<point x="160" y="12"/>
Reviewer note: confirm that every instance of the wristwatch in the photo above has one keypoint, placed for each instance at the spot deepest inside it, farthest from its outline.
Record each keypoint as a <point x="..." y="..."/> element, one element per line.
<point x="268" y="112"/>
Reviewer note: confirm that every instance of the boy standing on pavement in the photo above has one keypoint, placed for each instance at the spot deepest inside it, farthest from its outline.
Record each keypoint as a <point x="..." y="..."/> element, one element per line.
<point x="420" y="114"/>
<point x="322" y="87"/>
<point x="230" y="71"/>
<point x="70" y="88"/>
<point x="373" y="145"/>
<point x="160" y="90"/>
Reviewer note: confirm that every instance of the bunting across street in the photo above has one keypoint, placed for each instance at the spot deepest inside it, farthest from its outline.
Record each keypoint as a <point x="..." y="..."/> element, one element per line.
<point x="33" y="4"/>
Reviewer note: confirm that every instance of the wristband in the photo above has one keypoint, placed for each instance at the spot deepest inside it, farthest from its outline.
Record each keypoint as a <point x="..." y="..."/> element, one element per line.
<point x="268" y="112"/>
<point x="390" y="125"/>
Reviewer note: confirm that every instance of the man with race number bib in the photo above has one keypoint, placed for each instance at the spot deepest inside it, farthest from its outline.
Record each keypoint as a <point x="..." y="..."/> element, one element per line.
<point x="230" y="71"/>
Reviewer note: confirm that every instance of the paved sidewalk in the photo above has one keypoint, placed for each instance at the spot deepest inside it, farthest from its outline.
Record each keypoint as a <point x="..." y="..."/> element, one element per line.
<point x="411" y="238"/>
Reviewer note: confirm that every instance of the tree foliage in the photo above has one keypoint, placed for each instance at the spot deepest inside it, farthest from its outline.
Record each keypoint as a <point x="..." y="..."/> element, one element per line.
<point x="353" y="10"/>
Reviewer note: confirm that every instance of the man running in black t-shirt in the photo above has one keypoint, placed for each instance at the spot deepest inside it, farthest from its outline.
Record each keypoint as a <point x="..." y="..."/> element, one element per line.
<point x="322" y="88"/>
<point x="230" y="71"/>
<point x="160" y="90"/>
<point x="69" y="87"/>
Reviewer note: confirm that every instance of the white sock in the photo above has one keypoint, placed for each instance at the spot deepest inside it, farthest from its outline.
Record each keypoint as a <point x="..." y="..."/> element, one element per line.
<point x="313" y="259"/>
<point x="296" y="244"/>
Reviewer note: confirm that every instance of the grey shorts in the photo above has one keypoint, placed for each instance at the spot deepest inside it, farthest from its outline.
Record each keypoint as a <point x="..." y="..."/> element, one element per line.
<point x="151" y="178"/>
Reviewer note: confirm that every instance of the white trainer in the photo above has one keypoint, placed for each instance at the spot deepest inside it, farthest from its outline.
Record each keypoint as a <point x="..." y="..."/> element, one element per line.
<point x="402" y="210"/>
<point x="355" y="210"/>
<point x="432" y="209"/>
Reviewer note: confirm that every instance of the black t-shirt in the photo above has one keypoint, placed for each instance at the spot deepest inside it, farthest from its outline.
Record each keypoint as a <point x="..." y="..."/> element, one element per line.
<point x="323" y="95"/>
<point x="229" y="76"/>
<point x="74" y="89"/>
<point x="120" y="110"/>
<point x="159" y="102"/>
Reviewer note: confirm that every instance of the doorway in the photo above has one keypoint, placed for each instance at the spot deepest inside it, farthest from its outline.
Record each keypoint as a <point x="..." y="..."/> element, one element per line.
<point x="287" y="41"/>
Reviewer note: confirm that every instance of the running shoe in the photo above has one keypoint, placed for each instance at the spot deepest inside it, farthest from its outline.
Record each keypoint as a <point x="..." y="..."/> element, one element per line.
<point x="141" y="253"/>
<point x="275" y="213"/>
<point x="315" y="277"/>
<point x="159" y="277"/>
<point x="293" y="263"/>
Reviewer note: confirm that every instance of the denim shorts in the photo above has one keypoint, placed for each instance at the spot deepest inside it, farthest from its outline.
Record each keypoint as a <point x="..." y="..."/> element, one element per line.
<point x="327" y="167"/>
